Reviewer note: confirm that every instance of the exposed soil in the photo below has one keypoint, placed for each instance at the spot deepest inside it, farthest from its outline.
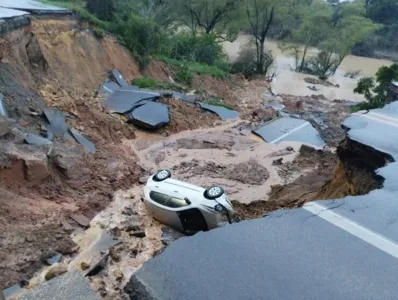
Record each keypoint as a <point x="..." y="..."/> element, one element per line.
<point x="303" y="178"/>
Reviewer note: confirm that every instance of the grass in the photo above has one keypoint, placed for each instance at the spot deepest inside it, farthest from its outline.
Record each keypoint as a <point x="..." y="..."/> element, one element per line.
<point x="147" y="82"/>
<point x="217" y="101"/>
<point x="200" y="69"/>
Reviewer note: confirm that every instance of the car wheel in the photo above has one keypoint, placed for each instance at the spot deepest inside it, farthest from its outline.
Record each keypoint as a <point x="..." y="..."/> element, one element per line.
<point x="162" y="175"/>
<point x="214" y="192"/>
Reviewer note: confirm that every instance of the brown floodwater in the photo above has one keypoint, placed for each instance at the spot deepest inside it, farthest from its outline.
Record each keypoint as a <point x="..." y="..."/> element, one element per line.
<point x="290" y="82"/>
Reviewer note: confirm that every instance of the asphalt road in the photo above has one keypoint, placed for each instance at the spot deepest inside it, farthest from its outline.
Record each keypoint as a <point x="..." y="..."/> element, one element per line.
<point x="335" y="249"/>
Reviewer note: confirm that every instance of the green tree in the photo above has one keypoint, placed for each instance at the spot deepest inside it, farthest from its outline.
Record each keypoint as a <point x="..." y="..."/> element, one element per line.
<point x="377" y="92"/>
<point x="261" y="14"/>
<point x="212" y="16"/>
<point x="315" y="21"/>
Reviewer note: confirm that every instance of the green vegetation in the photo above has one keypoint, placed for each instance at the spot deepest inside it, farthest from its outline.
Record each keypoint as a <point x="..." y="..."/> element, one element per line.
<point x="147" y="82"/>
<point x="187" y="33"/>
<point x="217" y="101"/>
<point x="377" y="92"/>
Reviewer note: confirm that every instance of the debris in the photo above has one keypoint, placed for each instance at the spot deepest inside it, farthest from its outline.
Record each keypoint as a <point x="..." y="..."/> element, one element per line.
<point x="34" y="139"/>
<point x="36" y="168"/>
<point x="289" y="148"/>
<point x="132" y="228"/>
<point x="66" y="287"/>
<point x="143" y="179"/>
<point x="84" y="266"/>
<point x="55" y="271"/>
<point x="88" y="145"/>
<point x="81" y="220"/>
<point x="289" y="129"/>
<point x="54" y="259"/>
<point x="138" y="234"/>
<point x="57" y="122"/>
<point x="222" y="112"/>
<point x="67" y="226"/>
<point x="3" y="111"/>
<point x="151" y="115"/>
<point x="118" y="275"/>
<point x="278" y="162"/>
<point x="6" y="126"/>
<point x="98" y="267"/>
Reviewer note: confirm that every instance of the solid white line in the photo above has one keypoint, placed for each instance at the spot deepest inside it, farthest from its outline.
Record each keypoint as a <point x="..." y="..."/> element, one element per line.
<point x="290" y="132"/>
<point x="365" y="234"/>
<point x="107" y="89"/>
<point x="383" y="117"/>
<point x="378" y="119"/>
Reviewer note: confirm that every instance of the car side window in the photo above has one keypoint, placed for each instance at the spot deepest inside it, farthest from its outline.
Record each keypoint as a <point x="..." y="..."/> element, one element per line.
<point x="160" y="198"/>
<point x="167" y="200"/>
<point x="177" y="202"/>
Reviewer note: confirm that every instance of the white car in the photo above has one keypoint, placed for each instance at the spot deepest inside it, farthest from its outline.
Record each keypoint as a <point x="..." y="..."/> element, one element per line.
<point x="186" y="207"/>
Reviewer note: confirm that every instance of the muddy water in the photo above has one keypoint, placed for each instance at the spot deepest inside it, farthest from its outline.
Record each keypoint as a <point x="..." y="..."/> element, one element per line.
<point x="289" y="82"/>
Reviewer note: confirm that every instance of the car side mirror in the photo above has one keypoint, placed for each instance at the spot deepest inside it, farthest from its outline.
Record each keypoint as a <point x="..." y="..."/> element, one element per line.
<point x="187" y="201"/>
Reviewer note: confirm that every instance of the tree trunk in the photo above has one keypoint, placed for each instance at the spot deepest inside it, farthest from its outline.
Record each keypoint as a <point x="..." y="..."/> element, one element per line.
<point x="303" y="58"/>
<point x="261" y="58"/>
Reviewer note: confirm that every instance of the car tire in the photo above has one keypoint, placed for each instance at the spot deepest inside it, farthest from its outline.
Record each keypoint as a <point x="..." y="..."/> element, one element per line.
<point x="162" y="175"/>
<point x="214" y="192"/>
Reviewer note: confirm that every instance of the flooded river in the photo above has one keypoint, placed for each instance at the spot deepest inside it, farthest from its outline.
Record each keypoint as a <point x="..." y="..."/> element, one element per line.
<point x="290" y="82"/>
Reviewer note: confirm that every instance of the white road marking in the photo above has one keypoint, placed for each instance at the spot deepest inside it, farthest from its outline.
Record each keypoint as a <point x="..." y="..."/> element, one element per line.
<point x="379" y="118"/>
<point x="290" y="132"/>
<point x="365" y="234"/>
<point x="107" y="89"/>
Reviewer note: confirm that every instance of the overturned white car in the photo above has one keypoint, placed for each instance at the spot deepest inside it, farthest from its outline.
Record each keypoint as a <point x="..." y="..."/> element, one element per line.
<point x="186" y="207"/>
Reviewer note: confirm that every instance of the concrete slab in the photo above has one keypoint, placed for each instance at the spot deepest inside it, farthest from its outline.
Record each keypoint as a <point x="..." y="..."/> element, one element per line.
<point x="6" y="13"/>
<point x="151" y="115"/>
<point x="290" y="129"/>
<point x="122" y="101"/>
<point x="88" y="145"/>
<point x="72" y="285"/>
<point x="222" y="112"/>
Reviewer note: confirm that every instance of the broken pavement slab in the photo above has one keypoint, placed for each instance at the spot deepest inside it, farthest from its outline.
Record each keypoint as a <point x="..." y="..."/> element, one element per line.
<point x="290" y="129"/>
<point x="88" y="145"/>
<point x="119" y="78"/>
<point x="222" y="112"/>
<point x="56" y="120"/>
<point x="72" y="285"/>
<point x="37" y="140"/>
<point x="122" y="101"/>
<point x="151" y="115"/>
<point x="6" y="13"/>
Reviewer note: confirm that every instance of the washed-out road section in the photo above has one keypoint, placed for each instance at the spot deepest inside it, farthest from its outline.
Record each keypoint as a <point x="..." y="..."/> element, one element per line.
<point x="334" y="249"/>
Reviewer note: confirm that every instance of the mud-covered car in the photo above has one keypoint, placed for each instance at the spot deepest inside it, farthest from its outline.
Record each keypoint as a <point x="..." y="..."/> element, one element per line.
<point x="186" y="207"/>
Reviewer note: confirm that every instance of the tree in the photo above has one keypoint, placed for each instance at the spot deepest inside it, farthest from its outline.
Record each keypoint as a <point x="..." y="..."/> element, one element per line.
<point x="377" y="92"/>
<point x="213" y="16"/>
<point x="315" y="21"/>
<point x="261" y="14"/>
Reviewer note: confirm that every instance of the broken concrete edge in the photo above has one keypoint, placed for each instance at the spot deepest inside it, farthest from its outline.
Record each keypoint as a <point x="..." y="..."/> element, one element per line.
<point x="138" y="290"/>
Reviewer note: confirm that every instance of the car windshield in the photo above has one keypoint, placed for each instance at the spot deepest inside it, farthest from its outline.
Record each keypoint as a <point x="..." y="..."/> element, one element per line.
<point x="168" y="201"/>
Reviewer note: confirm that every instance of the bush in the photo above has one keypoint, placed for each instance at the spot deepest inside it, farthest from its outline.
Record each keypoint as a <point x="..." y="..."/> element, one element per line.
<point x="184" y="75"/>
<point x="142" y="37"/>
<point x="202" y="49"/>
<point x="98" y="32"/>
<point x="246" y="63"/>
<point x="103" y="9"/>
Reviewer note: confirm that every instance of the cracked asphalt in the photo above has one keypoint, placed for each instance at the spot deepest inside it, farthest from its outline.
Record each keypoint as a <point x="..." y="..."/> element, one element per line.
<point x="332" y="249"/>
